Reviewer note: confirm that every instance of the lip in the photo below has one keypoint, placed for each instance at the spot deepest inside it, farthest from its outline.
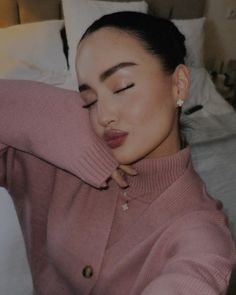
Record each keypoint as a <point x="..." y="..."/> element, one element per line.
<point x="115" y="137"/>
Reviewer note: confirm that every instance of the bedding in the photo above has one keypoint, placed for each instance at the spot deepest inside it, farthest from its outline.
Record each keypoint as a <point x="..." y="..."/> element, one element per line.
<point x="193" y="30"/>
<point x="33" y="51"/>
<point x="14" y="269"/>
<point x="215" y="162"/>
<point x="203" y="92"/>
<point x="211" y="132"/>
<point x="210" y="128"/>
<point x="15" y="68"/>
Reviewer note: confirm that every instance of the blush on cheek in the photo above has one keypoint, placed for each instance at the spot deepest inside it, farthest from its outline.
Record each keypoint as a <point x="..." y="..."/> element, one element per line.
<point x="143" y="111"/>
<point x="135" y="115"/>
<point x="136" y="109"/>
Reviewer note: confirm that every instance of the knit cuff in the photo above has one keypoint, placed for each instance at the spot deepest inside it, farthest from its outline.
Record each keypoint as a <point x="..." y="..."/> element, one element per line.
<point x="95" y="166"/>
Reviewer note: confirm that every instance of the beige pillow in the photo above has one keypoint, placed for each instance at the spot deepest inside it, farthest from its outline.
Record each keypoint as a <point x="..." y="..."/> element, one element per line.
<point x="38" y="44"/>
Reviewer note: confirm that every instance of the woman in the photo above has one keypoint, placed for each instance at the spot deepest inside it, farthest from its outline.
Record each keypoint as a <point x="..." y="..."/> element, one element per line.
<point x="157" y="232"/>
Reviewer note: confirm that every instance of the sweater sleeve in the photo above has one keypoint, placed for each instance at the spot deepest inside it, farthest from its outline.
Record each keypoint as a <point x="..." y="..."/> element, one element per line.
<point x="50" y="123"/>
<point x="200" y="261"/>
<point x="3" y="152"/>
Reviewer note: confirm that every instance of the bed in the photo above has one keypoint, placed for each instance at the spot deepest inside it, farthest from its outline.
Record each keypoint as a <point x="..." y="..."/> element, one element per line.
<point x="49" y="58"/>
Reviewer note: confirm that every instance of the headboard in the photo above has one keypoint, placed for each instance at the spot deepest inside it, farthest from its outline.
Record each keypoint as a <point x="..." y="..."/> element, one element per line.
<point x="14" y="12"/>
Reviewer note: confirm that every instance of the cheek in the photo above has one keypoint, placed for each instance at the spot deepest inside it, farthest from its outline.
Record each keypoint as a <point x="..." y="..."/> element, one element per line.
<point x="145" y="106"/>
<point x="93" y="121"/>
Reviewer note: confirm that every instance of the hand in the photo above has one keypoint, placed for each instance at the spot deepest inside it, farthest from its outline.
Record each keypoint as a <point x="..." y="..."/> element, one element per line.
<point x="118" y="175"/>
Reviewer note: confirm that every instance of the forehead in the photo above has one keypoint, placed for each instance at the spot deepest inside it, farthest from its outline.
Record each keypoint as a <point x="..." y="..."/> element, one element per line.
<point x="111" y="38"/>
<point x="108" y="46"/>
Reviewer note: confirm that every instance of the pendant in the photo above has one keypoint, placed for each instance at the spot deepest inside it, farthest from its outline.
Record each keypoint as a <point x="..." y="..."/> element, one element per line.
<point x="125" y="206"/>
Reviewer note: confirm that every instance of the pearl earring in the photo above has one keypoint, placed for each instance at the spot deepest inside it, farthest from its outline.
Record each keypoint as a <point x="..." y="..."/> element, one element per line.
<point x="179" y="102"/>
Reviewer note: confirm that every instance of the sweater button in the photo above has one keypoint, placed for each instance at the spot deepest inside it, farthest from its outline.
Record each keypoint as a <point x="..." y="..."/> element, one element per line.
<point x="87" y="271"/>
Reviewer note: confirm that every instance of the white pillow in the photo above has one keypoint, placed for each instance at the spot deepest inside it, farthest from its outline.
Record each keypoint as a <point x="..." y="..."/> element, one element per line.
<point x="34" y="46"/>
<point x="193" y="30"/>
<point x="203" y="92"/>
<point x="80" y="14"/>
<point x="14" y="68"/>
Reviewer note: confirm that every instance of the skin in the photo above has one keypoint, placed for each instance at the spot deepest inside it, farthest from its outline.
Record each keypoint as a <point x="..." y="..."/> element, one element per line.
<point x="147" y="109"/>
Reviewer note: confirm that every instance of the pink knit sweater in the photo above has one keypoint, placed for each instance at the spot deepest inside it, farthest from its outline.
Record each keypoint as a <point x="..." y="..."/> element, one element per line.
<point x="171" y="240"/>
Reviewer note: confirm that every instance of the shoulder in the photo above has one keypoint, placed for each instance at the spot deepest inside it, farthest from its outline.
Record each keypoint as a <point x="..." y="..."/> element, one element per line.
<point x="201" y="231"/>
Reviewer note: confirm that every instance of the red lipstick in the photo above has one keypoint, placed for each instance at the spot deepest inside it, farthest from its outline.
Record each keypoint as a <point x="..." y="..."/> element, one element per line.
<point x="114" y="137"/>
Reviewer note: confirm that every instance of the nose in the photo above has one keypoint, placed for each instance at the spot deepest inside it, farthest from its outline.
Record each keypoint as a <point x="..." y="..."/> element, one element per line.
<point x="106" y="113"/>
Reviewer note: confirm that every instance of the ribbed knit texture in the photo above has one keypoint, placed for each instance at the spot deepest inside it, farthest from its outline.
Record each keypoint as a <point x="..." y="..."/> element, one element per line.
<point x="50" y="123"/>
<point x="155" y="175"/>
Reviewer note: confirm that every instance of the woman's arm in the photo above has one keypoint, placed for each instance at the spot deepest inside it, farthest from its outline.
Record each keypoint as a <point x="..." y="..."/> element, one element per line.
<point x="3" y="152"/>
<point x="201" y="258"/>
<point x="51" y="124"/>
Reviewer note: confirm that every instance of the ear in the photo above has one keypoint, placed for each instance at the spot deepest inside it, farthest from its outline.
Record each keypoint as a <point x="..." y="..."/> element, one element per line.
<point x="180" y="82"/>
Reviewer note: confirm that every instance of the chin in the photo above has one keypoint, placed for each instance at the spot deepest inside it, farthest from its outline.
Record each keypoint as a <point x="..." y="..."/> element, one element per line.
<point x="126" y="158"/>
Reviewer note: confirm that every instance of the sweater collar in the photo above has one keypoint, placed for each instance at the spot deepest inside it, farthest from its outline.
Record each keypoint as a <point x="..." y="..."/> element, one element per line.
<point x="156" y="175"/>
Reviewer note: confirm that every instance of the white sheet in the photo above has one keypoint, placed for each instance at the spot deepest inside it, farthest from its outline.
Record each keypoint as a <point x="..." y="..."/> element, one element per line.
<point x="15" y="68"/>
<point x="15" y="277"/>
<point x="214" y="158"/>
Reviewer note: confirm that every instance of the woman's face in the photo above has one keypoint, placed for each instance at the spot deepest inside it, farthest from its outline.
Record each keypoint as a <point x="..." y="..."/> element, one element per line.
<point x="131" y="100"/>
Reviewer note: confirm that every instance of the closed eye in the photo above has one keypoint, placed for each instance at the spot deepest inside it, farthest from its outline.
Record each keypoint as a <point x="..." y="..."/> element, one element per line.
<point x="88" y="105"/>
<point x="125" y="88"/>
<point x="116" y="92"/>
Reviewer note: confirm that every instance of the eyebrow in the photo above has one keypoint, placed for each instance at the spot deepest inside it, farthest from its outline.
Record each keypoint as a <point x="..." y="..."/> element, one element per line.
<point x="109" y="72"/>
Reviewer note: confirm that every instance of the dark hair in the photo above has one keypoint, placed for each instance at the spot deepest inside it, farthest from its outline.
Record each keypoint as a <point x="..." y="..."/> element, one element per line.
<point x="159" y="36"/>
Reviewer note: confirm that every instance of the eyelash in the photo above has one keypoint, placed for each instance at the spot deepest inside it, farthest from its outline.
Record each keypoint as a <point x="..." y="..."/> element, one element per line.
<point x="87" y="106"/>
<point x="125" y="88"/>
